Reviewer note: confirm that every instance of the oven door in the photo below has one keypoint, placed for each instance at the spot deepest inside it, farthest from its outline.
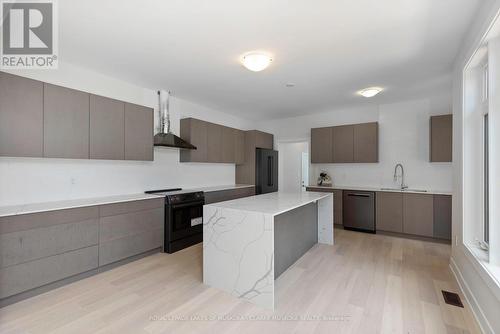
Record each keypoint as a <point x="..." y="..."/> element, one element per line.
<point x="186" y="219"/>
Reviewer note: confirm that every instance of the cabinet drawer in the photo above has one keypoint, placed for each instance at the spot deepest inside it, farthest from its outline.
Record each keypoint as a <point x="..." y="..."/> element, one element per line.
<point x="125" y="225"/>
<point x="24" y="246"/>
<point x="44" y="219"/>
<point x="33" y="274"/>
<point x="119" y="249"/>
<point x="132" y="206"/>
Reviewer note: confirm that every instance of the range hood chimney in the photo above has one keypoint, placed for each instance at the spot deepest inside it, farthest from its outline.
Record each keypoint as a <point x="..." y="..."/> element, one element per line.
<point x="165" y="137"/>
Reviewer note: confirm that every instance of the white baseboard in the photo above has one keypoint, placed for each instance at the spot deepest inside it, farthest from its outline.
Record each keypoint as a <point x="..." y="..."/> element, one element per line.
<point x="471" y="299"/>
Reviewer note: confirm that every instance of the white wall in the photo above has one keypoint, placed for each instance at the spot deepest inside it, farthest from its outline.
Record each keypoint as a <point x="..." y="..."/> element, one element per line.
<point x="479" y="287"/>
<point x="403" y="137"/>
<point x="27" y="180"/>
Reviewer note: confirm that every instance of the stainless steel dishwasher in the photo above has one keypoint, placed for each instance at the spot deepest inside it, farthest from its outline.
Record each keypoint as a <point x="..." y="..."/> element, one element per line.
<point x="359" y="210"/>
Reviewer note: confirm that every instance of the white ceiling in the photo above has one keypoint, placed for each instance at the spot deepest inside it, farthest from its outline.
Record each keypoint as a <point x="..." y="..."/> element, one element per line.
<point x="328" y="48"/>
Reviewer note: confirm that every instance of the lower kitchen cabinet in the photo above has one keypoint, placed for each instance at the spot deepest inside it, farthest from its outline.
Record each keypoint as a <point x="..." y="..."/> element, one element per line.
<point x="442" y="217"/>
<point x="337" y="207"/>
<point x="43" y="248"/>
<point x="424" y="215"/>
<point x="128" y="229"/>
<point x="389" y="212"/>
<point x="418" y="214"/>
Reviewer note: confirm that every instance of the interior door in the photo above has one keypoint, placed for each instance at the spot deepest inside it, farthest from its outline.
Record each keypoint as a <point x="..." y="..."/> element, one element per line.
<point x="305" y="170"/>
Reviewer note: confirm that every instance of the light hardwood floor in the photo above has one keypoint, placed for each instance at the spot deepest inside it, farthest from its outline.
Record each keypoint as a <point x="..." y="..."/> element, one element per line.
<point x="364" y="284"/>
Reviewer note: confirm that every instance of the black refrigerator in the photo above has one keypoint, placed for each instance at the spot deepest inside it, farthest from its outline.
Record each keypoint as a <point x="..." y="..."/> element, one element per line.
<point x="266" y="171"/>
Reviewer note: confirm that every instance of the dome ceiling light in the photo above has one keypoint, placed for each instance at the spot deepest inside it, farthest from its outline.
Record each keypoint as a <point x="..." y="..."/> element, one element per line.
<point x="256" y="62"/>
<point x="370" y="92"/>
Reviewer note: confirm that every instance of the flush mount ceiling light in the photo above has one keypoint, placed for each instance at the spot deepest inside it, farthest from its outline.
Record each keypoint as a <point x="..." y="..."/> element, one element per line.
<point x="256" y="62"/>
<point x="370" y="92"/>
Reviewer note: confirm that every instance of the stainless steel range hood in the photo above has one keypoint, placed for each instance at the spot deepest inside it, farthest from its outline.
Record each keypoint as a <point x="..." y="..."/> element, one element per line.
<point x="165" y="137"/>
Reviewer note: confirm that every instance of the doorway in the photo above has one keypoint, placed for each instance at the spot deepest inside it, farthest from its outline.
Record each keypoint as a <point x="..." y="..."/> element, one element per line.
<point x="293" y="165"/>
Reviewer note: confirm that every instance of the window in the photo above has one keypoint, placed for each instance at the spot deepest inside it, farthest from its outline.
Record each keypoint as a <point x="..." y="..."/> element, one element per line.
<point x="486" y="188"/>
<point x="484" y="85"/>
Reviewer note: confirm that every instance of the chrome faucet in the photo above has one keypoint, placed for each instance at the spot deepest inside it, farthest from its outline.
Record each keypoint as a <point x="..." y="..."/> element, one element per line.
<point x="403" y="185"/>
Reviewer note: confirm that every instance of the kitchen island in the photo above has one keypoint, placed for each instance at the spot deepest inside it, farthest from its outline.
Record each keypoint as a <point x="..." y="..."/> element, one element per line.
<point x="249" y="242"/>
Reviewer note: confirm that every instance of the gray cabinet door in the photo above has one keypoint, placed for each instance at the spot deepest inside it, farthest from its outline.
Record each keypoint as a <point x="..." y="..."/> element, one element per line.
<point x="65" y="123"/>
<point x="389" y="212"/>
<point x="214" y="142"/>
<point x="441" y="138"/>
<point x="21" y="116"/>
<point x="194" y="131"/>
<point x="321" y="145"/>
<point x="138" y="132"/>
<point x="239" y="147"/>
<point x="442" y="217"/>
<point x="418" y="214"/>
<point x="107" y="128"/>
<point x="264" y="140"/>
<point x="337" y="206"/>
<point x="366" y="142"/>
<point x="343" y="140"/>
<point x="228" y="144"/>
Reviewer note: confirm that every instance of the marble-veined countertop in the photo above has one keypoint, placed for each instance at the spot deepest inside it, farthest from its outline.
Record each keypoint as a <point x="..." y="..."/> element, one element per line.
<point x="272" y="203"/>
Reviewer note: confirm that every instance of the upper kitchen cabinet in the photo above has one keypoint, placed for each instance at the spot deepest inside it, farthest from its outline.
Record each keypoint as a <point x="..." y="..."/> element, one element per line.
<point x="365" y="142"/>
<point x="343" y="144"/>
<point x="214" y="143"/>
<point x="65" y="123"/>
<point x="194" y="131"/>
<point x="263" y="140"/>
<point x="139" y="124"/>
<point x="228" y="145"/>
<point x="239" y="147"/>
<point x="321" y="145"/>
<point x="441" y="138"/>
<point x="43" y="120"/>
<point x="217" y="143"/>
<point x="245" y="172"/>
<point x="21" y="116"/>
<point x="107" y="130"/>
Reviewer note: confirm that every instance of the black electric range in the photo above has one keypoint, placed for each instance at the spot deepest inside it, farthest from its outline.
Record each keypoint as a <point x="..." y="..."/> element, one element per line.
<point x="183" y="218"/>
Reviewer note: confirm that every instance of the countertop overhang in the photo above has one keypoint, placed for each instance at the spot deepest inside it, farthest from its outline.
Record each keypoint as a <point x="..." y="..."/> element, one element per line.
<point x="272" y="203"/>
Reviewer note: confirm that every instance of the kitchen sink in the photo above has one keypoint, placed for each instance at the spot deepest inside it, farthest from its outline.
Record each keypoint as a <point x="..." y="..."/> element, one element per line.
<point x="407" y="189"/>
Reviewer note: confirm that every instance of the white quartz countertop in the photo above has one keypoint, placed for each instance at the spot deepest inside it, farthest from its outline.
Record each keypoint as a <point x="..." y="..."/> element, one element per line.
<point x="22" y="209"/>
<point x="272" y="203"/>
<point x="384" y="189"/>
<point x="212" y="188"/>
